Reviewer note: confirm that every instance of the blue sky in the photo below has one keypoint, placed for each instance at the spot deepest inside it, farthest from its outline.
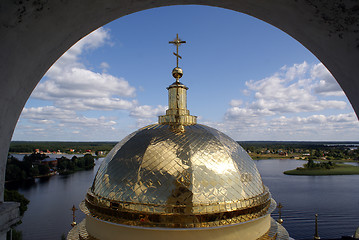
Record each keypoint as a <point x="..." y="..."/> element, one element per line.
<point x="245" y="77"/>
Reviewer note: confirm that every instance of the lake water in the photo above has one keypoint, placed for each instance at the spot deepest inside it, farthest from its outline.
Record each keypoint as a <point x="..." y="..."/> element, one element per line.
<point x="334" y="198"/>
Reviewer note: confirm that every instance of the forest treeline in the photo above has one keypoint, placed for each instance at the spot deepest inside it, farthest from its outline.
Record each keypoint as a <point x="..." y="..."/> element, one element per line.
<point x="29" y="146"/>
<point x="32" y="166"/>
<point x="331" y="150"/>
<point x="295" y="144"/>
<point x="64" y="147"/>
<point x="311" y="150"/>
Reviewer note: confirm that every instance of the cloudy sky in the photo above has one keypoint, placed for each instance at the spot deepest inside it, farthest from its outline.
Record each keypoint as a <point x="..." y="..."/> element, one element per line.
<point x="245" y="78"/>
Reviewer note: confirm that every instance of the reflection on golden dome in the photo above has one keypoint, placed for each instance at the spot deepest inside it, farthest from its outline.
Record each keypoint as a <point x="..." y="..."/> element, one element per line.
<point x="200" y="177"/>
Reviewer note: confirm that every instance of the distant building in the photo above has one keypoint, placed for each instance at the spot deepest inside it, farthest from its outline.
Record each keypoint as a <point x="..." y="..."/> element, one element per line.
<point x="48" y="161"/>
<point x="283" y="153"/>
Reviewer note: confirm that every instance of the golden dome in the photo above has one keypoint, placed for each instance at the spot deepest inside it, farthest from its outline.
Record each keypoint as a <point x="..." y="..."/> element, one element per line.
<point x="196" y="178"/>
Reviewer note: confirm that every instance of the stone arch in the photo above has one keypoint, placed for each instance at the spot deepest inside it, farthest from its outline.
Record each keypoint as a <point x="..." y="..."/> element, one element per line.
<point x="35" y="33"/>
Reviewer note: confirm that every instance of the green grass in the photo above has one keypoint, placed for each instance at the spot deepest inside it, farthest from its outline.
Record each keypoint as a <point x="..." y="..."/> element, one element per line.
<point x="339" y="169"/>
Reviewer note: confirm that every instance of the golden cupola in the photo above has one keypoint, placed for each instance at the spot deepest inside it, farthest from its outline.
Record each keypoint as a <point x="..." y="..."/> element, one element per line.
<point x="178" y="179"/>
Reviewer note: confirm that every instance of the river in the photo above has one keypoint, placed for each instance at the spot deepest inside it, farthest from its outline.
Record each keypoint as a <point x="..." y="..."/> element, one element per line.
<point x="334" y="198"/>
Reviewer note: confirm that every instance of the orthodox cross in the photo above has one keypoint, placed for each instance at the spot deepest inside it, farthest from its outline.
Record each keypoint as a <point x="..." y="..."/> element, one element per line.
<point x="316" y="236"/>
<point x="280" y="220"/>
<point x="73" y="215"/>
<point x="177" y="41"/>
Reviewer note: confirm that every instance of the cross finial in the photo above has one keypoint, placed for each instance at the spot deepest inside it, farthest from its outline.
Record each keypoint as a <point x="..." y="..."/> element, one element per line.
<point x="177" y="41"/>
<point x="316" y="236"/>
<point x="280" y="220"/>
<point x="73" y="215"/>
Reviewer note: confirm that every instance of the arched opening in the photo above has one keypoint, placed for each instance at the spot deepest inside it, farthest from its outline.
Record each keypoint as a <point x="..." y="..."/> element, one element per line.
<point x="38" y="49"/>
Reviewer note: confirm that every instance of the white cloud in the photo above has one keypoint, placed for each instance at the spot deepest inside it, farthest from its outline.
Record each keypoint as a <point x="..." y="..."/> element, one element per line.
<point x="83" y="84"/>
<point x="104" y="104"/>
<point x="279" y="106"/>
<point x="42" y="121"/>
<point x="236" y="102"/>
<point x="104" y="66"/>
<point x="70" y="84"/>
<point x="147" y="114"/>
<point x="146" y="111"/>
<point x="326" y="84"/>
<point x="295" y="71"/>
<point x="71" y="87"/>
<point x="50" y="122"/>
<point x="48" y="112"/>
<point x="314" y="127"/>
<point x="53" y="115"/>
<point x="318" y="121"/>
<point x="288" y="91"/>
<point x="237" y="113"/>
<point x="350" y="118"/>
<point x="70" y="58"/>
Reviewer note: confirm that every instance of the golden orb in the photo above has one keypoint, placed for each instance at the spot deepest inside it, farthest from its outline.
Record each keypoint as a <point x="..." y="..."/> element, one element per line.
<point x="177" y="73"/>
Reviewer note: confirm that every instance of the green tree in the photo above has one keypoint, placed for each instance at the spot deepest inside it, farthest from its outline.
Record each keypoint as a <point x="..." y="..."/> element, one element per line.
<point x="44" y="169"/>
<point x="14" y="173"/>
<point x="14" y="235"/>
<point x="34" y="171"/>
<point x="89" y="161"/>
<point x="15" y="196"/>
<point x="71" y="166"/>
<point x="62" y="163"/>
<point x="80" y="163"/>
<point x="310" y="164"/>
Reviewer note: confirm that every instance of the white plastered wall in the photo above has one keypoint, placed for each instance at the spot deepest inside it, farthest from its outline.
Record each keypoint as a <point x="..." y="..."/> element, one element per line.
<point x="109" y="231"/>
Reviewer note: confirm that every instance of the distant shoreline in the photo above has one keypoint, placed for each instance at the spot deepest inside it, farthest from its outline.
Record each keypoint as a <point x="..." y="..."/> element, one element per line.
<point x="301" y="159"/>
<point x="339" y="169"/>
